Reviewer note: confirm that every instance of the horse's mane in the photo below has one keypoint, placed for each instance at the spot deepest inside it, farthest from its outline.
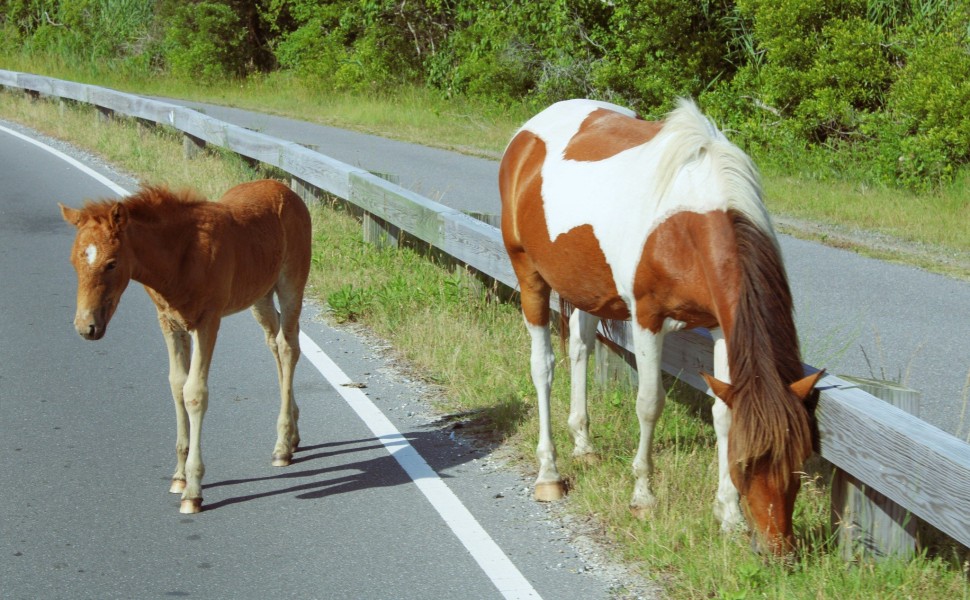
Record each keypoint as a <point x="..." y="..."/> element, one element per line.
<point x="689" y="136"/>
<point x="769" y="423"/>
<point x="149" y="203"/>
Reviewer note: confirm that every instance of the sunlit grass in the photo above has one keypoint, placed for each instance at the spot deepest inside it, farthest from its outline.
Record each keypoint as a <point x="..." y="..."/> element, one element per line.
<point x="456" y="334"/>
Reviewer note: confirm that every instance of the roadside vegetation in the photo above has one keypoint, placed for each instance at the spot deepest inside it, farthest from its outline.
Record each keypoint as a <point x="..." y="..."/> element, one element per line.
<point x="856" y="111"/>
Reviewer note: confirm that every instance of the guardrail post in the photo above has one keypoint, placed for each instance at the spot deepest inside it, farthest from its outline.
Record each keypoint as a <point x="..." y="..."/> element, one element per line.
<point x="103" y="115"/>
<point x="613" y="364"/>
<point x="869" y="524"/>
<point x="304" y="190"/>
<point x="376" y="230"/>
<point x="191" y="145"/>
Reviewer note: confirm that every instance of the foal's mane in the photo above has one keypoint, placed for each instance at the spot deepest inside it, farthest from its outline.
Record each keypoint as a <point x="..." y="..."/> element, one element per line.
<point x="769" y="423"/>
<point x="149" y="203"/>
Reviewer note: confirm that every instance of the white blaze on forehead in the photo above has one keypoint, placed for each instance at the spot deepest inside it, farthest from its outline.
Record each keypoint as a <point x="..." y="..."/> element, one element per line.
<point x="91" y="253"/>
<point x="614" y="195"/>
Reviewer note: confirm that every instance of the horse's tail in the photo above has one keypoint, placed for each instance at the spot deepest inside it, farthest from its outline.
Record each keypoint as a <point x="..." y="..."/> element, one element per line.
<point x="691" y="136"/>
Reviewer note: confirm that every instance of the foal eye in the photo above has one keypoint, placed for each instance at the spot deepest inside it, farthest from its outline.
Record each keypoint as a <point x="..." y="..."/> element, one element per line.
<point x="110" y="265"/>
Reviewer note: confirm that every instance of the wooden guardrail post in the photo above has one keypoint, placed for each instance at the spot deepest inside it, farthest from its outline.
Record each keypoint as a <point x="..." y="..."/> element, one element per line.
<point x="304" y="190"/>
<point x="613" y="364"/>
<point x="191" y="145"/>
<point x="103" y="115"/>
<point x="869" y="524"/>
<point x="376" y="230"/>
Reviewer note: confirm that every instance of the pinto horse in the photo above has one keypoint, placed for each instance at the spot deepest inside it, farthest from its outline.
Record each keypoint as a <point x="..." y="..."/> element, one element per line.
<point x="661" y="223"/>
<point x="199" y="261"/>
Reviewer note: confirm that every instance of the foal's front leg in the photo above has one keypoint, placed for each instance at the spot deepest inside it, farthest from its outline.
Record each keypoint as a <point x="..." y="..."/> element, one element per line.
<point x="179" y="348"/>
<point x="195" y="396"/>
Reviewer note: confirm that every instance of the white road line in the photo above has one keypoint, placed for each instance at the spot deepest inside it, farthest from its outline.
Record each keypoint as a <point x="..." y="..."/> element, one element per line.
<point x="497" y="566"/>
<point x="71" y="161"/>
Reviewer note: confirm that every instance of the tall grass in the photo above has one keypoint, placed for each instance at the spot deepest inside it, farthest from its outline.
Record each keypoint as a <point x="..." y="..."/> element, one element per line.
<point x="416" y="303"/>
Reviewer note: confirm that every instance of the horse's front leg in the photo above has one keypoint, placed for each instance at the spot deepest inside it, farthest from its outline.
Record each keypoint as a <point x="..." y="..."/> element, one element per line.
<point x="196" y="400"/>
<point x="582" y="333"/>
<point x="727" y="509"/>
<point x="179" y="350"/>
<point x="650" y="404"/>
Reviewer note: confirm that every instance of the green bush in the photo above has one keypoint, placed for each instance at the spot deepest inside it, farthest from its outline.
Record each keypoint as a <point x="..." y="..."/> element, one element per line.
<point x="659" y="50"/>
<point x="925" y="131"/>
<point x="204" y="42"/>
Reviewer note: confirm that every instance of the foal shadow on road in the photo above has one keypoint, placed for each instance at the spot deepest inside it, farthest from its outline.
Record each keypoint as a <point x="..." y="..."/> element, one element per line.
<point x="338" y="471"/>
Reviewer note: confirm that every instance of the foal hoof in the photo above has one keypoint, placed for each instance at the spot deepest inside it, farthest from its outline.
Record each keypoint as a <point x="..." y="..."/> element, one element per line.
<point x="549" y="491"/>
<point x="178" y="486"/>
<point x="191" y="506"/>
<point x="282" y="460"/>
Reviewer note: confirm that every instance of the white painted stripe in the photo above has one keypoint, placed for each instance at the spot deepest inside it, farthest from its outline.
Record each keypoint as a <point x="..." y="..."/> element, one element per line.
<point x="493" y="561"/>
<point x="71" y="161"/>
<point x="497" y="566"/>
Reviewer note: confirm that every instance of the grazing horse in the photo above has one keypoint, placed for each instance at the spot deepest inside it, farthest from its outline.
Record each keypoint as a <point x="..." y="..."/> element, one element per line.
<point x="199" y="261"/>
<point x="661" y="223"/>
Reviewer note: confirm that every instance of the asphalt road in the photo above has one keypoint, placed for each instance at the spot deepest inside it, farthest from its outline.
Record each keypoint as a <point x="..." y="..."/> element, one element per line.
<point x="86" y="452"/>
<point x="855" y="315"/>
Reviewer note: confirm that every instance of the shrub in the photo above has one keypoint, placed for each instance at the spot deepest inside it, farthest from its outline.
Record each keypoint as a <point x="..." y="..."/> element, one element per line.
<point x="925" y="131"/>
<point x="204" y="42"/>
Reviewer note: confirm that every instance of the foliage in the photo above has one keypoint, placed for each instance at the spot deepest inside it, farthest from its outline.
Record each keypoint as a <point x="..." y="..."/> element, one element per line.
<point x="204" y="42"/>
<point x="871" y="90"/>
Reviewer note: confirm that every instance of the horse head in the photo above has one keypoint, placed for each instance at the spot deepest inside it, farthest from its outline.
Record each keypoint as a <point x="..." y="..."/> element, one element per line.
<point x="104" y="263"/>
<point x="769" y="482"/>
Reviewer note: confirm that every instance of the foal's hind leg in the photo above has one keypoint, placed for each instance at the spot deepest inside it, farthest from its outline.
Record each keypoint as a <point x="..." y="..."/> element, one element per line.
<point x="283" y="341"/>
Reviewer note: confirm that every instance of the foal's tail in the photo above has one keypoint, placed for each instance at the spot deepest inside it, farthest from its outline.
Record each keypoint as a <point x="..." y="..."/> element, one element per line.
<point x="691" y="137"/>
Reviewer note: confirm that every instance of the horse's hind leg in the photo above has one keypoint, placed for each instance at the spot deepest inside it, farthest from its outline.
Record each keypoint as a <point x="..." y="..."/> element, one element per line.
<point x="288" y="435"/>
<point x="582" y="333"/>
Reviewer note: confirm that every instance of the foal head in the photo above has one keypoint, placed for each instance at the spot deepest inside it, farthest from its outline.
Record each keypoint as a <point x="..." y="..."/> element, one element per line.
<point x="104" y="262"/>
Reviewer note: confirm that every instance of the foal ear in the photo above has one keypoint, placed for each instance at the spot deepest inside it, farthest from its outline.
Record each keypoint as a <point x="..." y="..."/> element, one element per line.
<point x="803" y="387"/>
<point x="71" y="215"/>
<point x="119" y="216"/>
<point x="722" y="390"/>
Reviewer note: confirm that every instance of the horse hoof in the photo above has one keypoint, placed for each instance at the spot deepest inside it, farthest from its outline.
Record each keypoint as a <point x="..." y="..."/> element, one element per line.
<point x="641" y="510"/>
<point x="586" y="458"/>
<point x="190" y="506"/>
<point x="281" y="460"/>
<point x="178" y="486"/>
<point x="549" y="491"/>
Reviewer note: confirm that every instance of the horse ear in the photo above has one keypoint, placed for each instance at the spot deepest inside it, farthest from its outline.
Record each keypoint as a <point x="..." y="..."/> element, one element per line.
<point x="119" y="216"/>
<point x="803" y="387"/>
<point x="722" y="390"/>
<point x="71" y="215"/>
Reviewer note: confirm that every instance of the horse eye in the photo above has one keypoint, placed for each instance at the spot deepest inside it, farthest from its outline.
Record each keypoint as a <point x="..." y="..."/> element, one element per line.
<point x="110" y="265"/>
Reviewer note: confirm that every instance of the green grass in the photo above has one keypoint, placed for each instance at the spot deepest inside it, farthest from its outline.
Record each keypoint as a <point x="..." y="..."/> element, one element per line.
<point x="414" y="303"/>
